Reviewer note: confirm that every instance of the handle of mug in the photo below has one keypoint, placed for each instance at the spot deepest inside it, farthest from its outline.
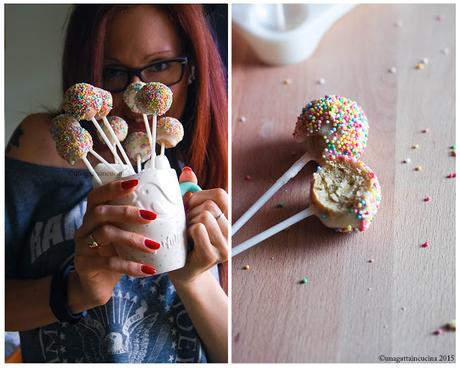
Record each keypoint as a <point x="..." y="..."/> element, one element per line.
<point x="188" y="186"/>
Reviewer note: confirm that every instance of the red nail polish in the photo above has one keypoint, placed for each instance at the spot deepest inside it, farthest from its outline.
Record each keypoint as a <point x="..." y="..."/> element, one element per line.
<point x="186" y="168"/>
<point x="128" y="184"/>
<point x="149" y="270"/>
<point x="148" y="215"/>
<point x="152" y="244"/>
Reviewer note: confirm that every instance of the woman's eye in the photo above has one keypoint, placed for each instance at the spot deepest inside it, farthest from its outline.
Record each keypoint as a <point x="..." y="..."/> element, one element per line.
<point x="159" y="67"/>
<point x="113" y="73"/>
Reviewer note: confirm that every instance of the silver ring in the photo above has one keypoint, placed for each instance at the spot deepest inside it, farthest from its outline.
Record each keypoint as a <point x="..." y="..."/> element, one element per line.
<point x="219" y="216"/>
<point x="92" y="243"/>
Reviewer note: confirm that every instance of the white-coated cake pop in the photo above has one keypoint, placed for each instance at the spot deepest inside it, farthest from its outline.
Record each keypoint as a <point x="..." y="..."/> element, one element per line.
<point x="119" y="126"/>
<point x="129" y="96"/>
<point x="137" y="144"/>
<point x="169" y="132"/>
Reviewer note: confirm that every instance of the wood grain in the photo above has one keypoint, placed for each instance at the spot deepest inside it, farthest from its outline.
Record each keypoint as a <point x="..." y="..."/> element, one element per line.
<point x="350" y="310"/>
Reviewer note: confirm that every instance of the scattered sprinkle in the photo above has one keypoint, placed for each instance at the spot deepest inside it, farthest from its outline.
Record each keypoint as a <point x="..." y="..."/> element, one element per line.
<point x="452" y="147"/>
<point x="248" y="177"/>
<point x="242" y="119"/>
<point x="425" y="61"/>
<point x="371" y="260"/>
<point x="451" y="326"/>
<point x="439" y="331"/>
<point x="393" y="70"/>
<point x="246" y="267"/>
<point x="407" y="161"/>
<point x="425" y="131"/>
<point x="280" y="205"/>
<point x="287" y="81"/>
<point x="418" y="168"/>
<point x="399" y="23"/>
<point x="427" y="199"/>
<point x="304" y="280"/>
<point x="446" y="51"/>
<point x="415" y="146"/>
<point x="439" y="18"/>
<point x="425" y="245"/>
<point x="419" y="66"/>
<point x="453" y="154"/>
<point x="321" y="81"/>
<point x="451" y="176"/>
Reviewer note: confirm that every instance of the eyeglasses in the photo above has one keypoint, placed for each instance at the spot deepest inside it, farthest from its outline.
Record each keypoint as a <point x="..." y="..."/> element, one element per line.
<point x="167" y="71"/>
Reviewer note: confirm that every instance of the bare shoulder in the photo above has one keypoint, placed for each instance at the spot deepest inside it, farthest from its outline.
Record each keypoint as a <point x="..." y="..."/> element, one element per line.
<point x="32" y="142"/>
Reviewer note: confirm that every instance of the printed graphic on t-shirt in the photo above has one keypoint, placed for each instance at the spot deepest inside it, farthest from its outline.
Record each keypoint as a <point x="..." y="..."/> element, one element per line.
<point x="150" y="325"/>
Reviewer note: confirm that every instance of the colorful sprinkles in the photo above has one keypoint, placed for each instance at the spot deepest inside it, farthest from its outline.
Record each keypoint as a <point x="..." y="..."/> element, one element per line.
<point x="169" y="131"/>
<point x="82" y="101"/>
<point x="154" y="98"/>
<point x="338" y="121"/>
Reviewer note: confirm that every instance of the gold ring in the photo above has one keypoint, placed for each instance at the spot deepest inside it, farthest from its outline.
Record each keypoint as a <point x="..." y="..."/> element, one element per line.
<point x="219" y="216"/>
<point x="93" y="243"/>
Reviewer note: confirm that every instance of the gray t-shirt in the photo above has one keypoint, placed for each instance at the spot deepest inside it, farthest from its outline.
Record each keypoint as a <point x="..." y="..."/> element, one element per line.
<point x="144" y="321"/>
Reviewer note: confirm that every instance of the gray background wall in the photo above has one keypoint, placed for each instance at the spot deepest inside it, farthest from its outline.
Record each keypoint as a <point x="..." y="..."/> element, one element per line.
<point x="34" y="37"/>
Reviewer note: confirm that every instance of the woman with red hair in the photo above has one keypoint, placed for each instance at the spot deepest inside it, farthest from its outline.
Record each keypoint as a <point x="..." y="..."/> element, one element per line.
<point x="74" y="304"/>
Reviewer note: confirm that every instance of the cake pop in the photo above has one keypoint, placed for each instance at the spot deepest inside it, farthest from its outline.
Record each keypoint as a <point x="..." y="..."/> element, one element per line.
<point x="332" y="126"/>
<point x="107" y="103"/>
<point x="82" y="101"/>
<point x="73" y="143"/>
<point x="169" y="132"/>
<point x="129" y="97"/>
<point x="119" y="126"/>
<point x="138" y="148"/>
<point x="345" y="195"/>
<point x="154" y="99"/>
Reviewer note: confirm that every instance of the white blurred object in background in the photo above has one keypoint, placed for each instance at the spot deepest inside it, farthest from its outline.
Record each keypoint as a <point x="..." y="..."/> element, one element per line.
<point x="285" y="33"/>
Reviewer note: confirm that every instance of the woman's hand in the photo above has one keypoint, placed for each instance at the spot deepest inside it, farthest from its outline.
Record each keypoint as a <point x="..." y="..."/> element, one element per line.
<point x="100" y="268"/>
<point x="207" y="224"/>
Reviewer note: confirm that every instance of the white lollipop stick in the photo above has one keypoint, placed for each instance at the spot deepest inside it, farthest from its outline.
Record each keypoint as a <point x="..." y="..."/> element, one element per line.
<point x="101" y="159"/>
<point x="117" y="142"/>
<point x="139" y="163"/>
<point x="106" y="140"/>
<point x="162" y="150"/>
<point x="154" y="135"/>
<point x="91" y="170"/>
<point x="288" y="175"/>
<point x="271" y="231"/>
<point x="147" y="128"/>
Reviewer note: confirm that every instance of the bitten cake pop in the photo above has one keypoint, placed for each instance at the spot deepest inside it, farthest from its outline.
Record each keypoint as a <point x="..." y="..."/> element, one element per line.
<point x="129" y="96"/>
<point x="107" y="103"/>
<point x="169" y="132"/>
<point x="82" y="101"/>
<point x="138" y="148"/>
<point x="332" y="126"/>
<point x="345" y="194"/>
<point x="119" y="126"/>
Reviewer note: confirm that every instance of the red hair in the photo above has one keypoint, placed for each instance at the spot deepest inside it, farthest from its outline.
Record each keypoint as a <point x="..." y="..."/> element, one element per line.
<point x="205" y="114"/>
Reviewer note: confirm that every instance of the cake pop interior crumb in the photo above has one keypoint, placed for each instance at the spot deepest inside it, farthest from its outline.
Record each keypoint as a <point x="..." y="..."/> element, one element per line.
<point x="337" y="186"/>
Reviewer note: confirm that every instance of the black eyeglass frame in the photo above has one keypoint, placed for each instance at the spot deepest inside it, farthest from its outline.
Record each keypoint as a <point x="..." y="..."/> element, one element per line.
<point x="137" y="71"/>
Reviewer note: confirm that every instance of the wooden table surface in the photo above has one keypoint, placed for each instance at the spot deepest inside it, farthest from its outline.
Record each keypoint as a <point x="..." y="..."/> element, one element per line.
<point x="350" y="310"/>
